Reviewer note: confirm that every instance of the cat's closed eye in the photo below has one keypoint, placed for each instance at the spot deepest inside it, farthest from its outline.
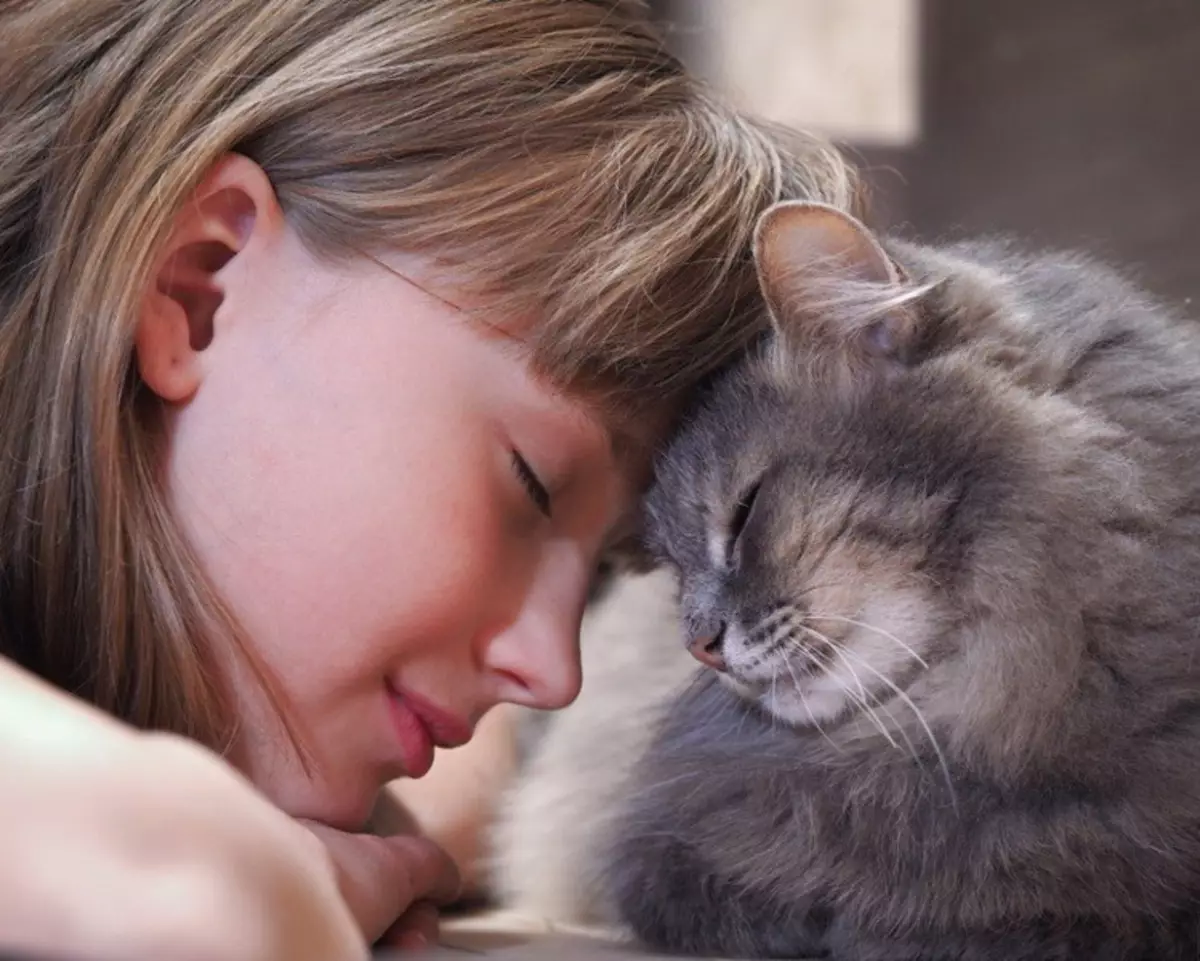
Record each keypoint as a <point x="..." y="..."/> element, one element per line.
<point x="741" y="515"/>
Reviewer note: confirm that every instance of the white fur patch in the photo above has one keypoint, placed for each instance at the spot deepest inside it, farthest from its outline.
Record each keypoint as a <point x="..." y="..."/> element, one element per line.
<point x="865" y="669"/>
<point x="716" y="550"/>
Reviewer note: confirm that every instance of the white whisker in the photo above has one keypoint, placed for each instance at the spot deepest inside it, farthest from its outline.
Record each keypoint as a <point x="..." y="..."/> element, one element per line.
<point x="899" y="729"/>
<point x="857" y="698"/>
<point x="907" y="700"/>
<point x="878" y="703"/>
<point x="804" y="701"/>
<point x="871" y="627"/>
<point x="774" y="700"/>
<point x="861" y="699"/>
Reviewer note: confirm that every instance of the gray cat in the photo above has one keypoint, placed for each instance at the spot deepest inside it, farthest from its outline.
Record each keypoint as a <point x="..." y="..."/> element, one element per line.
<point x="938" y="540"/>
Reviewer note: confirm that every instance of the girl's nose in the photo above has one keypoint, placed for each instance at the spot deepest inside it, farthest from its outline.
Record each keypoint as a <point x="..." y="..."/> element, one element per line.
<point x="536" y="661"/>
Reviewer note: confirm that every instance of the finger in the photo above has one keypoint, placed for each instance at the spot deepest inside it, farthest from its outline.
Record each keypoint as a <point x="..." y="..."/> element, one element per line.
<point x="417" y="929"/>
<point x="380" y="878"/>
<point x="432" y="873"/>
<point x="371" y="882"/>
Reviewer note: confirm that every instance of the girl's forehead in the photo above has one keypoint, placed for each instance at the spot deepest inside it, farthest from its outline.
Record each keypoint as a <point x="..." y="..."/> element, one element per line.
<point x="632" y="427"/>
<point x="633" y="434"/>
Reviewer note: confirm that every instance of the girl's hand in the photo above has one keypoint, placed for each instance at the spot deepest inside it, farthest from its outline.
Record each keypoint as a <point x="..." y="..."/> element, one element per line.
<point x="416" y="929"/>
<point x="393" y="885"/>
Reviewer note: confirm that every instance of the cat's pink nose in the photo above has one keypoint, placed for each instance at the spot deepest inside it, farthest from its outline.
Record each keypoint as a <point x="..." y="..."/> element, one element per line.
<point x="707" y="650"/>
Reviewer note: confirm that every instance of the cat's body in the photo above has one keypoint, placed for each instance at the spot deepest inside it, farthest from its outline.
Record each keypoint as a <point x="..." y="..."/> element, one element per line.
<point x="949" y="562"/>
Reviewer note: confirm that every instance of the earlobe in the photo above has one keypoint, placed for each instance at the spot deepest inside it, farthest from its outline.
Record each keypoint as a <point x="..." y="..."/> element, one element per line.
<point x="232" y="207"/>
<point x="166" y="362"/>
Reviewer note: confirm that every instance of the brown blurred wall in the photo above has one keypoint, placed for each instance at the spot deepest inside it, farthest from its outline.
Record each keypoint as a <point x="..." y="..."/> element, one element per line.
<point x="1067" y="122"/>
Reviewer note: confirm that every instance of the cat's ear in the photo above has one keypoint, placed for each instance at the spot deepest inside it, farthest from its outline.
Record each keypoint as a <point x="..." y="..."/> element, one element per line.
<point x="826" y="278"/>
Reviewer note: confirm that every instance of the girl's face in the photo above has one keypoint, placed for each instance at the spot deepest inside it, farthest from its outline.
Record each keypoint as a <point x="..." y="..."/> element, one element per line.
<point x="401" y="517"/>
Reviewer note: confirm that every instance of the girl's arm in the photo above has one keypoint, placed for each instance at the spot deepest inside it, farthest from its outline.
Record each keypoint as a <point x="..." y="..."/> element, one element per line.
<point x="119" y="844"/>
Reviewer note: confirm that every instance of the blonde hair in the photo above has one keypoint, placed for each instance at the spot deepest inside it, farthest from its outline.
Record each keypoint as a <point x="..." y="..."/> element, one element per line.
<point x="552" y="147"/>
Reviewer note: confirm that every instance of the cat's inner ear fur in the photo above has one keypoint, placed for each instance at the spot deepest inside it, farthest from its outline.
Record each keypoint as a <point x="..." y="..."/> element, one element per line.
<point x="828" y="282"/>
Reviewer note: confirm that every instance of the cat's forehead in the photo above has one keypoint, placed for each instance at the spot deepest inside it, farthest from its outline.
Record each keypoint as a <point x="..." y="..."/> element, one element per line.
<point x="725" y="438"/>
<point x="739" y="419"/>
<point x="920" y="426"/>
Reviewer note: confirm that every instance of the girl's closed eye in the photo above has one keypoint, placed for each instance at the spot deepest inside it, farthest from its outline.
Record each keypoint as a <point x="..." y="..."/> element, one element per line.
<point x="533" y="484"/>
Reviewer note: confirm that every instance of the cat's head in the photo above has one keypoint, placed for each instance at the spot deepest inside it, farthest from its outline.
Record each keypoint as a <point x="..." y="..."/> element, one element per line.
<point x="837" y="499"/>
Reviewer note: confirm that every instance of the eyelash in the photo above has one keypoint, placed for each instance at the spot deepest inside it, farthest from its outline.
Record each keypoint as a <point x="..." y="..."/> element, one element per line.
<point x="532" y="483"/>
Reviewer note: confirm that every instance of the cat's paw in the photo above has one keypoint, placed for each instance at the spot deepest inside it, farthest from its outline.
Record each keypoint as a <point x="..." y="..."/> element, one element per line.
<point x="674" y="904"/>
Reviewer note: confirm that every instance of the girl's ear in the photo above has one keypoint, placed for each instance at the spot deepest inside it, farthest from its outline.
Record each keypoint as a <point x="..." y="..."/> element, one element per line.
<point x="232" y="206"/>
<point x="826" y="279"/>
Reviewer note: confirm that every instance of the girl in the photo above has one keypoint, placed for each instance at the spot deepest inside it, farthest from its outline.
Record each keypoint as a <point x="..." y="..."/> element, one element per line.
<point x="334" y="338"/>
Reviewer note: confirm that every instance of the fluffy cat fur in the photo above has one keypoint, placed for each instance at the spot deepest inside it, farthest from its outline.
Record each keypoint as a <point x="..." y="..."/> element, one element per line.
<point x="942" y="532"/>
<point x="547" y="839"/>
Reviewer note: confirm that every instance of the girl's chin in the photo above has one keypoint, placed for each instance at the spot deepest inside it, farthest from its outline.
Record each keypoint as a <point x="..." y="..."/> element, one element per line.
<point x="344" y="807"/>
<point x="355" y="811"/>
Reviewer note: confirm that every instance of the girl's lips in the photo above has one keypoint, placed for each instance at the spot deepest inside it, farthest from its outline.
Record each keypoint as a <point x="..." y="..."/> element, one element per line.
<point x="420" y="726"/>
<point x="444" y="729"/>
<point x="416" y="743"/>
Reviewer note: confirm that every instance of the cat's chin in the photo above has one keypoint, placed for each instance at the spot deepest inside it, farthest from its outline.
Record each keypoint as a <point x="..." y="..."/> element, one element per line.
<point x="807" y="708"/>
<point x="751" y="691"/>
<point x="817" y="702"/>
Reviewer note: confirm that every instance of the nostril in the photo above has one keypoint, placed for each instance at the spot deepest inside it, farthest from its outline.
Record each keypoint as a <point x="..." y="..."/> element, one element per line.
<point x="707" y="649"/>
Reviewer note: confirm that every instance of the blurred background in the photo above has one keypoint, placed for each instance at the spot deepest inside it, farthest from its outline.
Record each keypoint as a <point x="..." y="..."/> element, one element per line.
<point x="1070" y="123"/>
